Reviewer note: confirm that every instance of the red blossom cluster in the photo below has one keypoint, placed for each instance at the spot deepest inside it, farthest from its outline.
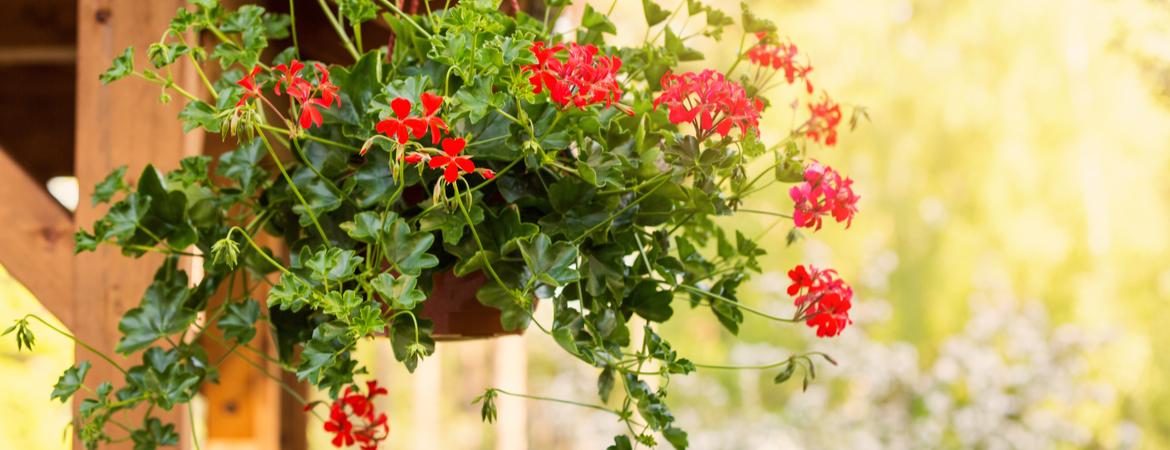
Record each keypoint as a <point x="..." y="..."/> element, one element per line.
<point x="581" y="80"/>
<point x="352" y="419"/>
<point x="710" y="102"/>
<point x="822" y="299"/>
<point x="308" y="96"/>
<point x="405" y="125"/>
<point x="821" y="193"/>
<point x="826" y="115"/>
<point x="778" y="57"/>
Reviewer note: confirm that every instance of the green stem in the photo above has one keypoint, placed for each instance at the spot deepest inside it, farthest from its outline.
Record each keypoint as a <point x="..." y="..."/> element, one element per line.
<point x="198" y="68"/>
<point x="476" y="188"/>
<point x="730" y="301"/>
<point x="296" y="191"/>
<point x="340" y="31"/>
<point x="309" y="137"/>
<point x="551" y="127"/>
<point x="567" y="402"/>
<point x="357" y="37"/>
<point x="87" y="347"/>
<point x="191" y="416"/>
<point x="519" y="301"/>
<point x="292" y="14"/>
<point x="405" y="16"/>
<point x="738" y="55"/>
<point x="767" y="213"/>
<point x="768" y="366"/>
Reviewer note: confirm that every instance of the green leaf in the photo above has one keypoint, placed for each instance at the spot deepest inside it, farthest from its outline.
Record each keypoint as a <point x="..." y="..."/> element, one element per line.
<point x="550" y="263"/>
<point x="557" y="3"/>
<point x="167" y="216"/>
<point x="123" y="66"/>
<point x="321" y="196"/>
<point x="754" y="24"/>
<point x="191" y="170"/>
<point x="70" y="382"/>
<point x="342" y="304"/>
<point x="159" y="314"/>
<point x="452" y="223"/>
<point x="317" y="356"/>
<point x="289" y="294"/>
<point x="124" y="216"/>
<point x="358" y="11"/>
<point x="162" y="55"/>
<point x="407" y="251"/>
<point x="239" y="319"/>
<point x="595" y="21"/>
<point x="334" y="264"/>
<point x="564" y="338"/>
<point x="403" y="340"/>
<point x="605" y="384"/>
<point x="197" y="114"/>
<point x="649" y="302"/>
<point x="107" y="188"/>
<point x="366" y="226"/>
<point x="375" y="181"/>
<point x="654" y="13"/>
<point x="476" y="100"/>
<point x="153" y="435"/>
<point x="242" y="165"/>
<point x="675" y="45"/>
<point x="400" y="293"/>
<point x="621" y="442"/>
<point x="676" y="437"/>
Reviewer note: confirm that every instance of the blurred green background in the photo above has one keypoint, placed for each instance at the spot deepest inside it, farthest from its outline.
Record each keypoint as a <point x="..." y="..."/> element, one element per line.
<point x="1010" y="255"/>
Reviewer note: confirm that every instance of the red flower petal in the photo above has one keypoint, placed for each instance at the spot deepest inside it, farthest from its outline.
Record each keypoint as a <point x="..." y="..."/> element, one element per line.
<point x="452" y="147"/>
<point x="452" y="173"/>
<point x="431" y="103"/>
<point x="401" y="107"/>
<point x="465" y="164"/>
<point x="439" y="161"/>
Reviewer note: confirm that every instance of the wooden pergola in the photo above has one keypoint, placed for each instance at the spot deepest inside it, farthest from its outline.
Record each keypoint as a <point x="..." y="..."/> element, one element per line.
<point x="56" y="119"/>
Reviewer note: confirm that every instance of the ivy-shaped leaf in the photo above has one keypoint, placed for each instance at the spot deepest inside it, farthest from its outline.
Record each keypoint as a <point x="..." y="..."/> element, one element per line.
<point x="366" y="226"/>
<point x="342" y="304"/>
<point x="239" y="320"/>
<point x="197" y="114"/>
<point x="452" y="223"/>
<point x="153" y="435"/>
<point x="675" y="45"/>
<point x="124" y="217"/>
<point x="334" y="264"/>
<point x="649" y="302"/>
<point x="70" y="382"/>
<point x="550" y="262"/>
<point x="160" y="314"/>
<point x="476" y="100"/>
<point x="654" y="14"/>
<point x="111" y="185"/>
<point x="407" y="251"/>
<point x="401" y="293"/>
<point x="123" y="66"/>
<point x="289" y="294"/>
<point x="595" y="21"/>
<point x="754" y="24"/>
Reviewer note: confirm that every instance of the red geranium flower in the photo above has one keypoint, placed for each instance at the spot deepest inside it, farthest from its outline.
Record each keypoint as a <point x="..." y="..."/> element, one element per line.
<point x="293" y="83"/>
<point x="309" y="114"/>
<point x="781" y="56"/>
<point x="823" y="192"/>
<point x="340" y="425"/>
<point x="454" y="163"/>
<point x="826" y="300"/>
<point x="251" y="89"/>
<point x="400" y="128"/>
<point x="581" y="80"/>
<point x="710" y="102"/>
<point x="826" y="115"/>
<point x="328" y="90"/>
<point x="431" y="104"/>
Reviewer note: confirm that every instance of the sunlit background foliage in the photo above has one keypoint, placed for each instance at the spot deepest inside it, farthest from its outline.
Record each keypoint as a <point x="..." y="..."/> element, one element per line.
<point x="1011" y="254"/>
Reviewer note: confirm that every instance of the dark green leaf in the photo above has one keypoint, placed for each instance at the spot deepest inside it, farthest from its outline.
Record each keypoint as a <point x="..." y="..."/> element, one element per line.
<point x="200" y="114"/>
<point x="239" y="319"/>
<point x="476" y="100"/>
<point x="649" y="302"/>
<point x="289" y="294"/>
<point x="676" y="437"/>
<point x="153" y="435"/>
<point x="550" y="262"/>
<point x="160" y="314"/>
<point x="605" y="384"/>
<point x="564" y="338"/>
<point x="621" y="442"/>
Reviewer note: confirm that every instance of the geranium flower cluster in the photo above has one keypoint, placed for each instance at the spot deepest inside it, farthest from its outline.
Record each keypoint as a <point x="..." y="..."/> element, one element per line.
<point x="822" y="124"/>
<point x="352" y="418"/>
<point x="306" y="95"/>
<point x="781" y="56"/>
<point x="710" y="102"/>
<point x="823" y="299"/>
<point x="823" y="192"/>
<point x="405" y="125"/>
<point x="583" y="79"/>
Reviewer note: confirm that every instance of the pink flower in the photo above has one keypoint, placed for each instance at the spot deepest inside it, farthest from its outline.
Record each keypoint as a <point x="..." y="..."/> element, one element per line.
<point x="822" y="193"/>
<point x="710" y="102"/>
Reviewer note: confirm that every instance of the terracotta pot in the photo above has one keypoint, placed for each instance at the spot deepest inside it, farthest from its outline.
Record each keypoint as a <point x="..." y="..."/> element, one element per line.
<point x="457" y="314"/>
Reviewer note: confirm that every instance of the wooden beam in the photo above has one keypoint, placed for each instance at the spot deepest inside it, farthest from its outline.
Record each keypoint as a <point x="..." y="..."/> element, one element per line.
<point x="36" y="240"/>
<point x="65" y="55"/>
<point x="121" y="123"/>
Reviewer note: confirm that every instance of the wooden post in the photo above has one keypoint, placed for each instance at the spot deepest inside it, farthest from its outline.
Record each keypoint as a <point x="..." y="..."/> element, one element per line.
<point x="121" y="123"/>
